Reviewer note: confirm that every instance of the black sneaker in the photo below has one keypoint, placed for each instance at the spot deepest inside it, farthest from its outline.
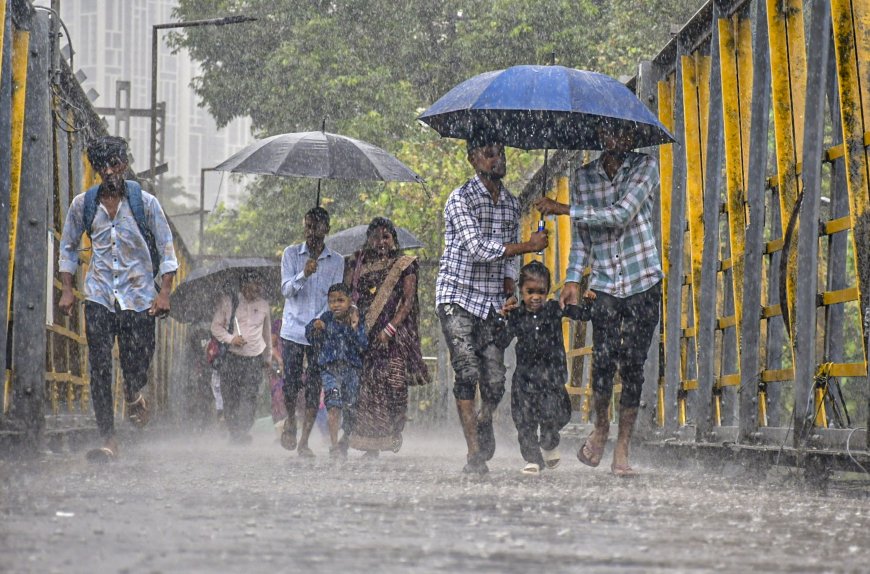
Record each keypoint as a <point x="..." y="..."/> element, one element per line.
<point x="476" y="465"/>
<point x="485" y="439"/>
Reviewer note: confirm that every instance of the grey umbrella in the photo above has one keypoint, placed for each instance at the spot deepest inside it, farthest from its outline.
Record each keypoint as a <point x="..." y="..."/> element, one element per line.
<point x="195" y="298"/>
<point x="349" y="240"/>
<point x="320" y="155"/>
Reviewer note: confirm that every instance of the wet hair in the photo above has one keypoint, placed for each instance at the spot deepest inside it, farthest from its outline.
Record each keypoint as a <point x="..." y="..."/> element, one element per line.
<point x="339" y="288"/>
<point x="318" y="215"/>
<point x="535" y="270"/>
<point x="250" y="277"/>
<point x="479" y="139"/>
<point x="103" y="150"/>
<point x="383" y="223"/>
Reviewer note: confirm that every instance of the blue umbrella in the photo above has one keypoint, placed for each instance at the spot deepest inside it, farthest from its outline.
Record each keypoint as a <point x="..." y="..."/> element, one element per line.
<point x="544" y="107"/>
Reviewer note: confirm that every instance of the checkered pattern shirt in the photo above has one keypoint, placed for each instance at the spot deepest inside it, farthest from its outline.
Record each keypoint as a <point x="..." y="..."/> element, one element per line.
<point x="473" y="266"/>
<point x="613" y="226"/>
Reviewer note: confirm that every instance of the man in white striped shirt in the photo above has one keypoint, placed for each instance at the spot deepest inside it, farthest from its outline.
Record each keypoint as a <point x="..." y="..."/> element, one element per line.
<point x="613" y="232"/>
<point x="477" y="274"/>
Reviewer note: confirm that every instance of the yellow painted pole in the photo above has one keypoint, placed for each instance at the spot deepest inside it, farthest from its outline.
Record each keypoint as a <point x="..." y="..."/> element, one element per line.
<point x="666" y="185"/>
<point x="732" y="102"/>
<point x="563" y="195"/>
<point x="788" y="84"/>
<point x="694" y="150"/>
<point x="851" y="20"/>
<point x="20" y="45"/>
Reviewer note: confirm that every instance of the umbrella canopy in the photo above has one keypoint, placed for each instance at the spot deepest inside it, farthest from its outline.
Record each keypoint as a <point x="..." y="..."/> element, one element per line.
<point x="544" y="107"/>
<point x="349" y="240"/>
<point x="320" y="155"/>
<point x="195" y="298"/>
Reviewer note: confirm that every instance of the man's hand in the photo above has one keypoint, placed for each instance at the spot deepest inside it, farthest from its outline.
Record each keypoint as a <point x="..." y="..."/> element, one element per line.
<point x="539" y="241"/>
<point x="319" y="325"/>
<point x="238" y="341"/>
<point x="549" y="207"/>
<point x="67" y="300"/>
<point x="570" y="294"/>
<point x="160" y="305"/>
<point x="310" y="267"/>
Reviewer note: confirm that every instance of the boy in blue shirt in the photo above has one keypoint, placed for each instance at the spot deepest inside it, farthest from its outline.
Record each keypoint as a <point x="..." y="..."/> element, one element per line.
<point x="342" y="339"/>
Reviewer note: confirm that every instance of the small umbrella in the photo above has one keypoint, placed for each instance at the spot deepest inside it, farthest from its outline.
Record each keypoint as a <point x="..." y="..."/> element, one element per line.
<point x="195" y="298"/>
<point x="349" y="240"/>
<point x="320" y="155"/>
<point x="544" y="107"/>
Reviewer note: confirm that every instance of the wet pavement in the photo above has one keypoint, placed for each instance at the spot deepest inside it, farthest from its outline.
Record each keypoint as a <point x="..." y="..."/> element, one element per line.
<point x="198" y="504"/>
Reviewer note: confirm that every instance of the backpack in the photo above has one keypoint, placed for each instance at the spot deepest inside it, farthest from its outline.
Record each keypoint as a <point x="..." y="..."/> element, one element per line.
<point x="134" y="199"/>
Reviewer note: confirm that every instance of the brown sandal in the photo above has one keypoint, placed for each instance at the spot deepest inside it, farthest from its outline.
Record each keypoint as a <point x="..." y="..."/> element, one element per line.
<point x="590" y="455"/>
<point x="622" y="470"/>
<point x="137" y="411"/>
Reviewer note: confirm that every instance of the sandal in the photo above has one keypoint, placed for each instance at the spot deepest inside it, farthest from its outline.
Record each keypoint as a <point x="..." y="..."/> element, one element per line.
<point x="532" y="469"/>
<point x="138" y="412"/>
<point x="100" y="455"/>
<point x="590" y="455"/>
<point x="396" y="443"/>
<point x="622" y="470"/>
<point x="305" y="452"/>
<point x="288" y="435"/>
<point x="552" y="458"/>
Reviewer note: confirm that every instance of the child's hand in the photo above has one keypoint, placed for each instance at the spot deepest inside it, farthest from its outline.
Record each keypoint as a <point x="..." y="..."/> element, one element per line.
<point x="354" y="317"/>
<point x="319" y="325"/>
<point x="510" y="305"/>
<point x="590" y="295"/>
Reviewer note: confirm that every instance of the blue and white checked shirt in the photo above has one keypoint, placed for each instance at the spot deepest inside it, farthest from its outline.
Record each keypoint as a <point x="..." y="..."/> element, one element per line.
<point x="613" y="226"/>
<point x="473" y="266"/>
<point x="305" y="297"/>
<point x="120" y="268"/>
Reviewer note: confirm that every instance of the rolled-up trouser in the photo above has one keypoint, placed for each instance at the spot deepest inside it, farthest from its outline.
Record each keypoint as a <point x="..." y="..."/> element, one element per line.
<point x="135" y="333"/>
<point x="475" y="356"/>
<point x="622" y="329"/>
<point x="292" y="354"/>
<point x="241" y="378"/>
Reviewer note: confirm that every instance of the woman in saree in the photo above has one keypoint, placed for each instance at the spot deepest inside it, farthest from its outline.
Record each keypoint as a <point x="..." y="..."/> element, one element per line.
<point x="383" y="283"/>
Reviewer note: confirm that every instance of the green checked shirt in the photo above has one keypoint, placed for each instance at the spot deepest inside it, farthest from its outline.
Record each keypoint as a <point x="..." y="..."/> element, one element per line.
<point x="613" y="227"/>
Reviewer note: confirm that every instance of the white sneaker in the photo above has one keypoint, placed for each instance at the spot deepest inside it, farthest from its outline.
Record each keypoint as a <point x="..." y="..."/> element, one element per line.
<point x="552" y="458"/>
<point x="533" y="469"/>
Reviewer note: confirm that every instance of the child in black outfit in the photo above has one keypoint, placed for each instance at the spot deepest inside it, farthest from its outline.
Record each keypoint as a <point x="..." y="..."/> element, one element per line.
<point x="539" y="399"/>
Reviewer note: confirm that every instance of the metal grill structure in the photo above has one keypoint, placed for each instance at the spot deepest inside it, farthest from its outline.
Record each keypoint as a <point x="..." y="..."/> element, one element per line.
<point x="765" y="230"/>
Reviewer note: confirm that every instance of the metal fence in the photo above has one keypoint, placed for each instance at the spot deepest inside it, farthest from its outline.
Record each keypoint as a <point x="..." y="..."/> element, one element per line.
<point x="765" y="231"/>
<point x="45" y="122"/>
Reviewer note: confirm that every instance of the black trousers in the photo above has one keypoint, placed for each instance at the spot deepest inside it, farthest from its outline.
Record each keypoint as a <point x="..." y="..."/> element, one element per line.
<point x="241" y="378"/>
<point x="539" y="413"/>
<point x="292" y="354"/>
<point x="135" y="334"/>
<point x="622" y="330"/>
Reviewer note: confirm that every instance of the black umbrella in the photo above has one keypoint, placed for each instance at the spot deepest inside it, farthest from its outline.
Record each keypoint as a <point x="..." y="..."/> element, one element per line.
<point x="349" y="240"/>
<point x="195" y="298"/>
<point x="320" y="155"/>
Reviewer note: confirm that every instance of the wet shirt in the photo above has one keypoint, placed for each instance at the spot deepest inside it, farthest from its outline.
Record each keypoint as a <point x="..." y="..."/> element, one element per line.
<point x="613" y="226"/>
<point x="120" y="267"/>
<point x="338" y="342"/>
<point x="473" y="266"/>
<point x="540" y="347"/>
<point x="253" y="320"/>
<point x="305" y="297"/>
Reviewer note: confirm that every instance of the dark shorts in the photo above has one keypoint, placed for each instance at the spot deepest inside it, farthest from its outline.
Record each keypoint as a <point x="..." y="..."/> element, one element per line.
<point x="476" y="356"/>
